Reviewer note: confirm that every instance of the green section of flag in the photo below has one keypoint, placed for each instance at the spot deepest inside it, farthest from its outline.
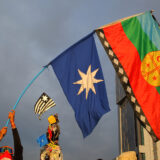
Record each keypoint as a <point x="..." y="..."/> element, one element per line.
<point x="139" y="38"/>
<point x="158" y="89"/>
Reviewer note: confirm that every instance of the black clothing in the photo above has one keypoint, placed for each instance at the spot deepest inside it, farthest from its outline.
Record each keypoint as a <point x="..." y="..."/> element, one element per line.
<point x="53" y="135"/>
<point x="18" y="148"/>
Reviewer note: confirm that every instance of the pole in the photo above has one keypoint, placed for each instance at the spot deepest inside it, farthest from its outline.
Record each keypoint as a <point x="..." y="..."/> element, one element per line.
<point x="23" y="92"/>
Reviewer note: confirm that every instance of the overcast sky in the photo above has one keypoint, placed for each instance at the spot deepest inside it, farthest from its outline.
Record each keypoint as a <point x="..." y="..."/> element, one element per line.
<point x="32" y="33"/>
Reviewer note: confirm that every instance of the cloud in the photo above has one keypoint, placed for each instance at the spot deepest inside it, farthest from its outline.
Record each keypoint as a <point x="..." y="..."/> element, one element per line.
<point x="32" y="33"/>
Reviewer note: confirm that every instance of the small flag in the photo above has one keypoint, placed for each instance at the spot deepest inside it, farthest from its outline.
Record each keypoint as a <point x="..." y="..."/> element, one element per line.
<point x="43" y="104"/>
<point x="42" y="140"/>
<point x="79" y="72"/>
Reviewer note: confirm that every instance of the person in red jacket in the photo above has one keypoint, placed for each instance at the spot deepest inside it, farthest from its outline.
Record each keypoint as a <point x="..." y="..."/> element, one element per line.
<point x="6" y="152"/>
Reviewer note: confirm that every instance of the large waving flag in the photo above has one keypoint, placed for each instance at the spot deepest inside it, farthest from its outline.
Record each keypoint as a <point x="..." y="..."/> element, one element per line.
<point x="80" y="75"/>
<point x="133" y="46"/>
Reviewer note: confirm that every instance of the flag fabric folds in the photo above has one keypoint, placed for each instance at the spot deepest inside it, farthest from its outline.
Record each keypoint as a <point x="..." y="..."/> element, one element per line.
<point x="133" y="46"/>
<point x="42" y="140"/>
<point x="43" y="104"/>
<point x="80" y="76"/>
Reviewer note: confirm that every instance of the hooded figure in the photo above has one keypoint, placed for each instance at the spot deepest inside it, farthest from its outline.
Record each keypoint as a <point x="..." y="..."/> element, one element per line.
<point x="52" y="150"/>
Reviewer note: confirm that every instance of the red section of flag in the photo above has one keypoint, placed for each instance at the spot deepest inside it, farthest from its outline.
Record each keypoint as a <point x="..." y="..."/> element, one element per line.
<point x="146" y="95"/>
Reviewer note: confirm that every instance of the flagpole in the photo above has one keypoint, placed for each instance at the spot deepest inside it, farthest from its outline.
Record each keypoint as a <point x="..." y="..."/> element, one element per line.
<point x="120" y="20"/>
<point x="23" y="92"/>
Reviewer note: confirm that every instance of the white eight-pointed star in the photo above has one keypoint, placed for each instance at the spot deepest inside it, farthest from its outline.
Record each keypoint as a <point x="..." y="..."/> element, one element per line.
<point x="87" y="81"/>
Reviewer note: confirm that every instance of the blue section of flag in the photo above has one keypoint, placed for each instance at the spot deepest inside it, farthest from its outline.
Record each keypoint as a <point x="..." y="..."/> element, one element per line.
<point x="42" y="140"/>
<point x="70" y="67"/>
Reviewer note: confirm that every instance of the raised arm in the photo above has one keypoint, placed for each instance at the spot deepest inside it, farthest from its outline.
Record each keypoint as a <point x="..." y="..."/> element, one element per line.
<point x="18" y="148"/>
<point x="3" y="132"/>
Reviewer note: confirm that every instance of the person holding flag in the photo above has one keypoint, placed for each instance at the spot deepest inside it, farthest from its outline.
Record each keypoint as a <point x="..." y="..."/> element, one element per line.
<point x="6" y="152"/>
<point x="3" y="132"/>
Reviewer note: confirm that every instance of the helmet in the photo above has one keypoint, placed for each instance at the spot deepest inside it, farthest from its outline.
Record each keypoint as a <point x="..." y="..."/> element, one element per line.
<point x="5" y="154"/>
<point x="52" y="119"/>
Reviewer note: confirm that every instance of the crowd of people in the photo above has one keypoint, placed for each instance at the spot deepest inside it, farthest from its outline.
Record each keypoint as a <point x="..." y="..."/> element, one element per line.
<point x="6" y="152"/>
<point x="50" y="151"/>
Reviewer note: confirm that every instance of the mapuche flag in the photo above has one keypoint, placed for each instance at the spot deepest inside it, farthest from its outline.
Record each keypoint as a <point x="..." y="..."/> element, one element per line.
<point x="80" y="75"/>
<point x="133" y="46"/>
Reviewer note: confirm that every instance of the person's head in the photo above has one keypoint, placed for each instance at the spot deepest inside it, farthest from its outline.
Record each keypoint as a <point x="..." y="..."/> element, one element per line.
<point x="5" y="156"/>
<point x="52" y="122"/>
<point x="52" y="119"/>
<point x="130" y="155"/>
<point x="6" y="153"/>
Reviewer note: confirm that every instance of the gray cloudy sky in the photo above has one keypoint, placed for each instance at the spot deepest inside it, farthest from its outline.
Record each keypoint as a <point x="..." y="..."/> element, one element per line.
<point x="32" y="33"/>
